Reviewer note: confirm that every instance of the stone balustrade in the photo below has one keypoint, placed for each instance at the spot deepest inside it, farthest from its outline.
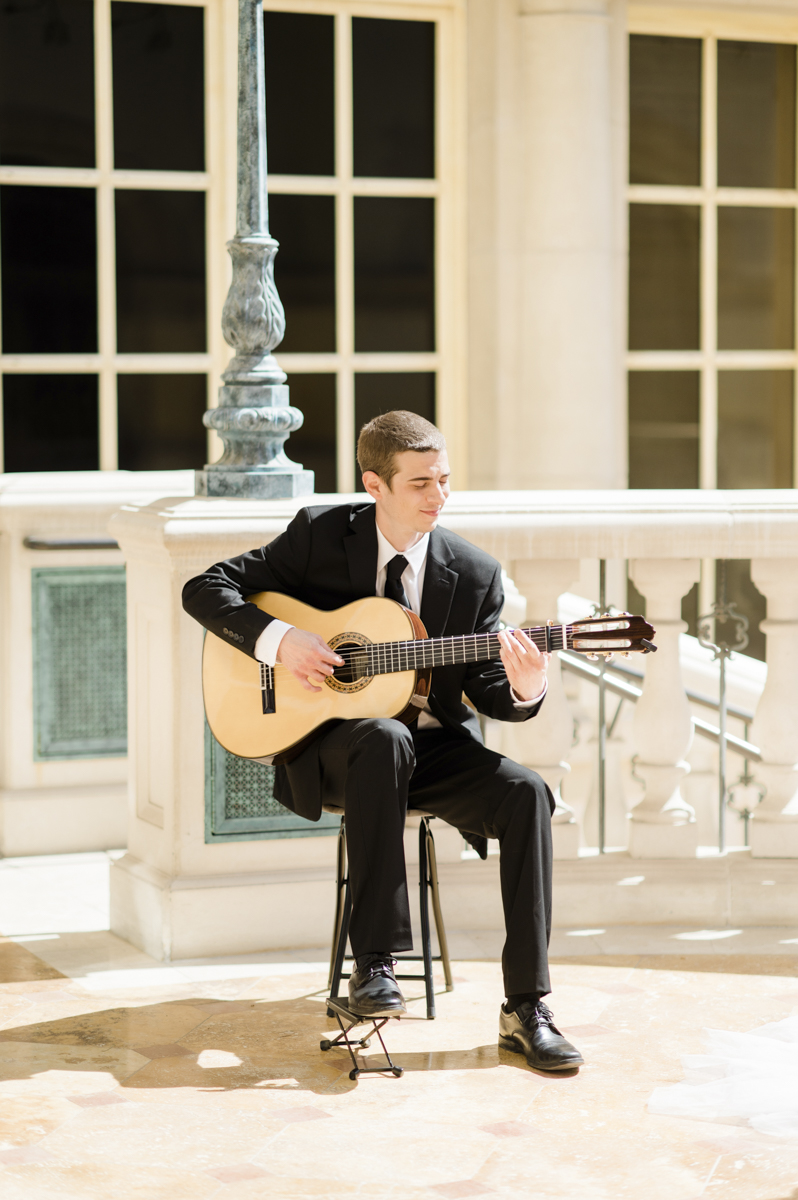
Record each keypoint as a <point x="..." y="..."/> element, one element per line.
<point x="183" y="890"/>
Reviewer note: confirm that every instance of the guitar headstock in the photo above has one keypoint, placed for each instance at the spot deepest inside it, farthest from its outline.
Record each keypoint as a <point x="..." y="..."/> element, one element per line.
<point x="620" y="633"/>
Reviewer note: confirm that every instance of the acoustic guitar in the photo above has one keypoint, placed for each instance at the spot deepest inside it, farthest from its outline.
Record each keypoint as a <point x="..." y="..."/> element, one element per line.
<point x="264" y="713"/>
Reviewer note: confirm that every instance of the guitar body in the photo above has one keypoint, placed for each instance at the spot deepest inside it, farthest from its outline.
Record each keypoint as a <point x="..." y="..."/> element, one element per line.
<point x="231" y="681"/>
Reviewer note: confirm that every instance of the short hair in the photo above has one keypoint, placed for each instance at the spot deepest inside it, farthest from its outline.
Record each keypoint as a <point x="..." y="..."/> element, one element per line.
<point x="390" y="434"/>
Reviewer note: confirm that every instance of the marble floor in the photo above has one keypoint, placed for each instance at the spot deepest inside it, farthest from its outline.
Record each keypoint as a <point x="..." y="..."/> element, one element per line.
<point x="122" y="1077"/>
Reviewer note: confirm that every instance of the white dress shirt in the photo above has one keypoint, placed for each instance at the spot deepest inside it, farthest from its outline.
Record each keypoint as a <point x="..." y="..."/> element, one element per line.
<point x="268" y="643"/>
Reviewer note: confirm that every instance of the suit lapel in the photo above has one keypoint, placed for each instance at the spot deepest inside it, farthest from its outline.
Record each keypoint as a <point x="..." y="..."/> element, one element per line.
<point x="361" y="552"/>
<point x="439" y="584"/>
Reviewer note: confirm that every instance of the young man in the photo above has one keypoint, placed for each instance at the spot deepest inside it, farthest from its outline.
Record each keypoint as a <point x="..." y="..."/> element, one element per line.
<point x="329" y="556"/>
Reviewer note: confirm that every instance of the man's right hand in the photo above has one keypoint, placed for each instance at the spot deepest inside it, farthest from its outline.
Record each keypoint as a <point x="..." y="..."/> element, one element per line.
<point x="308" y="657"/>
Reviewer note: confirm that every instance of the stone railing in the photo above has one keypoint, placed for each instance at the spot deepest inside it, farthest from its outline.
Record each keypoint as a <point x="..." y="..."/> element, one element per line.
<point x="183" y="890"/>
<point x="663" y="536"/>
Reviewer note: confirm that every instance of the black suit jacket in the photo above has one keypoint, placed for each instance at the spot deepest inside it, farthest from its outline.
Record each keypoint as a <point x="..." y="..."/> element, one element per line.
<point x="327" y="557"/>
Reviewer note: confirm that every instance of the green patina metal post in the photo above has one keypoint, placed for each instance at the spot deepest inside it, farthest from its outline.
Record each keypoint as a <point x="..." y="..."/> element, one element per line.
<point x="254" y="418"/>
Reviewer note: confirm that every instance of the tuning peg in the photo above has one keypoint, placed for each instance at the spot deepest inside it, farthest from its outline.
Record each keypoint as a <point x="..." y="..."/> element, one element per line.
<point x="592" y="657"/>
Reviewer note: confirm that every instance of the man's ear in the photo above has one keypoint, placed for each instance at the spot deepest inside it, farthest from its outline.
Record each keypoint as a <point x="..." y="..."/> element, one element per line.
<point x="373" y="484"/>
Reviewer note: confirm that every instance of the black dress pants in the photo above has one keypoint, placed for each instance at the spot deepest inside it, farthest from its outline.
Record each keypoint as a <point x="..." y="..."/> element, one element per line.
<point x="376" y="767"/>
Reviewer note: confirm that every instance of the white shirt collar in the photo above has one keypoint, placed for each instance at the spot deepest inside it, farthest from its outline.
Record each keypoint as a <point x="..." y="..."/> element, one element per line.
<point x="415" y="556"/>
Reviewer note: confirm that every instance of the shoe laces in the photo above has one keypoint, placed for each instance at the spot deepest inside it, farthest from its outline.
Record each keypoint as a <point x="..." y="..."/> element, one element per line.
<point x="369" y="965"/>
<point x="537" y="1014"/>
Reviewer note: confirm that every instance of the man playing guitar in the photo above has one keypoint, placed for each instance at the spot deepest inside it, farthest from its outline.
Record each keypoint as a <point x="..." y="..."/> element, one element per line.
<point x="329" y="556"/>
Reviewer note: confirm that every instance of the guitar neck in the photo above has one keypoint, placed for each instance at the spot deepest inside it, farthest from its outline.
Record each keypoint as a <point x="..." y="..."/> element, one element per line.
<point x="386" y="657"/>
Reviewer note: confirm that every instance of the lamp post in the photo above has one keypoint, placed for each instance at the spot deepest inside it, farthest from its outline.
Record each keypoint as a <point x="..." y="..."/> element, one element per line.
<point x="254" y="418"/>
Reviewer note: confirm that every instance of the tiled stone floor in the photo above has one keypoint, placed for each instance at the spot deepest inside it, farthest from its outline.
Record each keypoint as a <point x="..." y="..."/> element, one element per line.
<point x="121" y="1077"/>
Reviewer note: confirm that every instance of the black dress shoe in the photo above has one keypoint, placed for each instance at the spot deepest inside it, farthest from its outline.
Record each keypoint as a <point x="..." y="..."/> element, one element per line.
<point x="530" y="1030"/>
<point x="373" y="990"/>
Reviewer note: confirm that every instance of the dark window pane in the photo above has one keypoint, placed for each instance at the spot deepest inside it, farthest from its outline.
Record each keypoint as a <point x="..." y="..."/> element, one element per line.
<point x="756" y="264"/>
<point x="49" y="257"/>
<point x="375" y="394"/>
<point x="160" y="422"/>
<point x="314" y="444"/>
<point x="664" y="244"/>
<point x="160" y="271"/>
<point x="755" y="429"/>
<point x="756" y="115"/>
<point x="47" y="84"/>
<point x="300" y="93"/>
<point x="394" y="273"/>
<point x="664" y="110"/>
<point x="304" y="269"/>
<point x="663" y="429"/>
<point x="159" y="122"/>
<point x="740" y="590"/>
<point x="50" y="422"/>
<point x="393" y="79"/>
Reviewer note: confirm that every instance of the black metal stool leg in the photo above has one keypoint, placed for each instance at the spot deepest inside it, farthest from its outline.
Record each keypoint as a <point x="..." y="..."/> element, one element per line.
<point x="436" y="908"/>
<point x="423" y="883"/>
<point x="340" y="890"/>
<point x="343" y="935"/>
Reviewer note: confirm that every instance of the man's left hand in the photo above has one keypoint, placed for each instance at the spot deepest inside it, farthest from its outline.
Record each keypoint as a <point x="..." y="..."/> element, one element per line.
<point x="526" y="666"/>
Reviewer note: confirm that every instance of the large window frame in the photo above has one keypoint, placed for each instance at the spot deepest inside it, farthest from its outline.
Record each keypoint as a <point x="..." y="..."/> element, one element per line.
<point x="708" y="197"/>
<point x="446" y="189"/>
<point x="107" y="364"/>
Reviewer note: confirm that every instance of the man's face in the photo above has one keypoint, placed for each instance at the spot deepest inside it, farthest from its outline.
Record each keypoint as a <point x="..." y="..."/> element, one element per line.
<point x="418" y="490"/>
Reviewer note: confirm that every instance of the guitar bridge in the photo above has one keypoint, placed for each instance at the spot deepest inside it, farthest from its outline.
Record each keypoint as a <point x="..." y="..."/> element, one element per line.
<point x="267" y="689"/>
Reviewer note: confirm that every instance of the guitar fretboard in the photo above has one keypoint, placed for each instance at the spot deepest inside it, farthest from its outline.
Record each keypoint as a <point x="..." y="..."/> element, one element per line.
<point x="383" y="658"/>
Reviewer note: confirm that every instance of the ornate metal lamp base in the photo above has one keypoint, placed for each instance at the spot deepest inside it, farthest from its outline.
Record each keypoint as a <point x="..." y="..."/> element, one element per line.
<point x="253" y="484"/>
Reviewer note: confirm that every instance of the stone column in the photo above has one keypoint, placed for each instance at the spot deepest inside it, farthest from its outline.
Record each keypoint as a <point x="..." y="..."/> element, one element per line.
<point x="545" y="742"/>
<point x="663" y="824"/>
<point x="572" y="327"/>
<point x="774" y="831"/>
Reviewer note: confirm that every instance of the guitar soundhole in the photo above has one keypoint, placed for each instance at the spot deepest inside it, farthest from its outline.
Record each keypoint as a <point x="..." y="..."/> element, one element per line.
<point x="353" y="675"/>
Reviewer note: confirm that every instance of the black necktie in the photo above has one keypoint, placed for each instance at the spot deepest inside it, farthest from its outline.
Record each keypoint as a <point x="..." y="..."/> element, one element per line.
<point x="393" y="580"/>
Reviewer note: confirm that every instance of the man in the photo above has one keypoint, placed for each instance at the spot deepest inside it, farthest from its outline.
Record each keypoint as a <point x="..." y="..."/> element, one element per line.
<point x="329" y="556"/>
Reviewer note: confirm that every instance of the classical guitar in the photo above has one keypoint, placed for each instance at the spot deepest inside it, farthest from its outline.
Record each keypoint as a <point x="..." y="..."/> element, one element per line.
<point x="261" y="712"/>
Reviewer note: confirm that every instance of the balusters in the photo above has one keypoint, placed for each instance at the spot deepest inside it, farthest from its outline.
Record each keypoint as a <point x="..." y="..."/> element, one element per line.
<point x="774" y="831"/>
<point x="545" y="743"/>
<point x="663" y="824"/>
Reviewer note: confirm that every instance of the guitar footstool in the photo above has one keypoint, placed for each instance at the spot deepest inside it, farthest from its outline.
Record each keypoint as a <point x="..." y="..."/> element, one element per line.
<point x="343" y="1014"/>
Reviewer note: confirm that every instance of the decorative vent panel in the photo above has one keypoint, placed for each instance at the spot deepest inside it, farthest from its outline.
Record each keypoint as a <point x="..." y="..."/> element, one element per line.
<point x="240" y="803"/>
<point x="79" y="662"/>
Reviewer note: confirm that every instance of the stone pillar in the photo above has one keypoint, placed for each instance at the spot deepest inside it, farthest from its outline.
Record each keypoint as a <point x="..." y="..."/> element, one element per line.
<point x="572" y="288"/>
<point x="545" y="742"/>
<point x="663" y="824"/>
<point x="774" y="831"/>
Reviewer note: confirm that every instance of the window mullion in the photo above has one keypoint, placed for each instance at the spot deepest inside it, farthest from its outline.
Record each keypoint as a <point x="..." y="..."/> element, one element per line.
<point x="344" y="256"/>
<point x="709" y="268"/>
<point x="106" y="266"/>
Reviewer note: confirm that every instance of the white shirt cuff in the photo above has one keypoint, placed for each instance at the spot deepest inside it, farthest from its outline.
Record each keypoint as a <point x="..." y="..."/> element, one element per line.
<point x="519" y="703"/>
<point x="268" y="643"/>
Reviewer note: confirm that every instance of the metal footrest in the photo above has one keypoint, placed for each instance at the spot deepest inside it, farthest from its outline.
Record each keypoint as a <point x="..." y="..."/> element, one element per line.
<point x="347" y="1021"/>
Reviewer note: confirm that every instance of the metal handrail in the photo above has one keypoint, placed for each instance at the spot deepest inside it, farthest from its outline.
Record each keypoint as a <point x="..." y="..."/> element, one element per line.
<point x="628" y="691"/>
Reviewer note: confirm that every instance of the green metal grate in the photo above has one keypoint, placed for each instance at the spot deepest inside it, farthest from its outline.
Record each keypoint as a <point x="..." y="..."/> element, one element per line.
<point x="79" y="662"/>
<point x="240" y="803"/>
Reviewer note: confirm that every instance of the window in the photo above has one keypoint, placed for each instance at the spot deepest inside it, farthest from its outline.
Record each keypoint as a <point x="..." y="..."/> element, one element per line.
<point x="712" y="254"/>
<point x="358" y="196"/>
<point x="104" y="201"/>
